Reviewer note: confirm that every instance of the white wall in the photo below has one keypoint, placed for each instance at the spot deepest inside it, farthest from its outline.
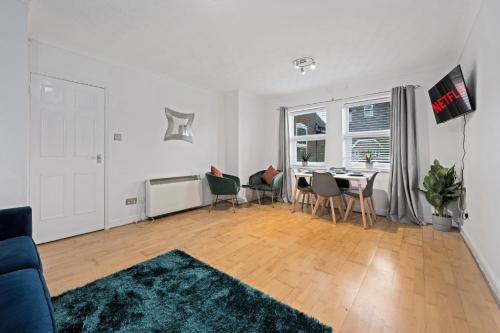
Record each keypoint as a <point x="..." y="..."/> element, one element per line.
<point x="13" y="103"/>
<point x="247" y="132"/>
<point x="135" y="102"/>
<point x="429" y="134"/>
<point x="231" y="133"/>
<point x="481" y="65"/>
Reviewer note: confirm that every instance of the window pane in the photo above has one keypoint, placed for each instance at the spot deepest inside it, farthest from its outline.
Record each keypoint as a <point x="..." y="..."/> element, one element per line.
<point x="378" y="146"/>
<point x="370" y="117"/>
<point x="316" y="148"/>
<point x="310" y="123"/>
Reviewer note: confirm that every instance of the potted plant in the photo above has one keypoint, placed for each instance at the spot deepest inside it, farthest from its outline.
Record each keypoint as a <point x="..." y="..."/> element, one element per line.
<point x="306" y="156"/>
<point x="369" y="160"/>
<point x="441" y="188"/>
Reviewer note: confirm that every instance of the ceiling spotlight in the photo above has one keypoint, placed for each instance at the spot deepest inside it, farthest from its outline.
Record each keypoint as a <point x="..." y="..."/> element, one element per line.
<point x="304" y="64"/>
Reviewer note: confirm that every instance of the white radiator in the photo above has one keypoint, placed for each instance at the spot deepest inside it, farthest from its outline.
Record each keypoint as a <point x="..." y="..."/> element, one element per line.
<point x="168" y="195"/>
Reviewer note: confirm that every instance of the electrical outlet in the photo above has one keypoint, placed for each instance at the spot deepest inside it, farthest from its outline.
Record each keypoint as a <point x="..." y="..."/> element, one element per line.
<point x="130" y="201"/>
<point x="117" y="137"/>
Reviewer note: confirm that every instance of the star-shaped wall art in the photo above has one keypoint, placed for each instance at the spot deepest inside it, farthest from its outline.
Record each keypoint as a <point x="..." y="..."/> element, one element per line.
<point x="184" y="128"/>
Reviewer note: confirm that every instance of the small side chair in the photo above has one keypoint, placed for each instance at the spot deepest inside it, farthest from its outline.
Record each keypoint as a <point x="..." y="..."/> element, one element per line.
<point x="256" y="183"/>
<point x="225" y="185"/>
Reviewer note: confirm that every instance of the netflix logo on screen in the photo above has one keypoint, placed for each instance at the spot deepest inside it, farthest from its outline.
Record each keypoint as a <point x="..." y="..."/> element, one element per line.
<point x="445" y="100"/>
<point x="449" y="97"/>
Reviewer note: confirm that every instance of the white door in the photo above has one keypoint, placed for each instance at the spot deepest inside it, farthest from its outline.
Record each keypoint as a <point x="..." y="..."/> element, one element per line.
<point x="66" y="158"/>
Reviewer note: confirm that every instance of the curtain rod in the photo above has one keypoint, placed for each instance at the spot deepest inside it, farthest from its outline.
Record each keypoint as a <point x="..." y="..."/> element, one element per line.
<point x="344" y="98"/>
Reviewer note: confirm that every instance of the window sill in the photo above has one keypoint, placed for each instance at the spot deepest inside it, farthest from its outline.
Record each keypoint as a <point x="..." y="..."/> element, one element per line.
<point x="311" y="167"/>
<point x="382" y="170"/>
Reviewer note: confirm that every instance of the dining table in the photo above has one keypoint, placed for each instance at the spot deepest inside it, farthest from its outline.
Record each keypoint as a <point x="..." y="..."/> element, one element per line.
<point x="360" y="179"/>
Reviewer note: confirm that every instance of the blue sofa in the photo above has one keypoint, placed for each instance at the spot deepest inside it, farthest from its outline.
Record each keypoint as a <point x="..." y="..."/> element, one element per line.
<point x="24" y="298"/>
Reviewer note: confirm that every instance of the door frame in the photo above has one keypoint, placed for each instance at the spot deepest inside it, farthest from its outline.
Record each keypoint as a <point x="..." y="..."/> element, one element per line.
<point x="107" y="143"/>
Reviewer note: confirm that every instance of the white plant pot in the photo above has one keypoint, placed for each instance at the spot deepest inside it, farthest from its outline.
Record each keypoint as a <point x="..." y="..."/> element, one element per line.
<point x="304" y="163"/>
<point x="441" y="223"/>
<point x="368" y="165"/>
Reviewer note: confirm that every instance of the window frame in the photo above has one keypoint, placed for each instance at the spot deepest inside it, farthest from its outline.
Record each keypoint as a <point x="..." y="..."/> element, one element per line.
<point x="293" y="139"/>
<point x="346" y="134"/>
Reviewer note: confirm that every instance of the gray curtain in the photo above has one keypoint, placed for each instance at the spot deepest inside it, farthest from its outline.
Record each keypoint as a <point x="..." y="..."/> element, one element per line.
<point x="284" y="155"/>
<point x="403" y="179"/>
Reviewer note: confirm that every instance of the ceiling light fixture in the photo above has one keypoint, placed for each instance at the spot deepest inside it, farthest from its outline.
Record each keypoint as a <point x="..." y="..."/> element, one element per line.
<point x="304" y="64"/>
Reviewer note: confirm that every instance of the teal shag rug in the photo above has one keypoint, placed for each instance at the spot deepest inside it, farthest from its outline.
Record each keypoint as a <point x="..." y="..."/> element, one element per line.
<point x="175" y="293"/>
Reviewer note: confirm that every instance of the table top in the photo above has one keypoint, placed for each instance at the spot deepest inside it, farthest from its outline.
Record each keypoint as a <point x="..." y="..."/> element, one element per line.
<point x="336" y="175"/>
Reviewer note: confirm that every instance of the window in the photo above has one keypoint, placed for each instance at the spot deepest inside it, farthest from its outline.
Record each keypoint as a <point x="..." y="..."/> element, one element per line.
<point x="367" y="129"/>
<point x="307" y="135"/>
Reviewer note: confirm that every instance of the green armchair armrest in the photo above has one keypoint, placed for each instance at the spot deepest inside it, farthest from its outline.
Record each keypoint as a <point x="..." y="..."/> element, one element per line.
<point x="277" y="182"/>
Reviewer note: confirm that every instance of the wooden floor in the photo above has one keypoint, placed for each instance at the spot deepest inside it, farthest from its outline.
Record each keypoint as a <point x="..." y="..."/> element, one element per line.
<point x="393" y="278"/>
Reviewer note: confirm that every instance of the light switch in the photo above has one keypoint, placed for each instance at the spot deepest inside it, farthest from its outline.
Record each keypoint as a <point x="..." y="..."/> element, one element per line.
<point x="117" y="137"/>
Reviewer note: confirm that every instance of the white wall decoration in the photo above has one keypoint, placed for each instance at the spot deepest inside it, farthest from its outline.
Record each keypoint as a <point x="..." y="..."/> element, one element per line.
<point x="184" y="128"/>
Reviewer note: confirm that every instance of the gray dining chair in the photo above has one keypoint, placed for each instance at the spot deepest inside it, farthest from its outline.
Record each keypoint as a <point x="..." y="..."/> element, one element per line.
<point x="326" y="189"/>
<point x="306" y="191"/>
<point x="344" y="184"/>
<point x="367" y="204"/>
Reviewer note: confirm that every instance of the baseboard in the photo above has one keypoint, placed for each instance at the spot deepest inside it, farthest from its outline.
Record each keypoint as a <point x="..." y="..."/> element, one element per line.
<point x="123" y="221"/>
<point x="136" y="218"/>
<point x="378" y="212"/>
<point x="485" y="268"/>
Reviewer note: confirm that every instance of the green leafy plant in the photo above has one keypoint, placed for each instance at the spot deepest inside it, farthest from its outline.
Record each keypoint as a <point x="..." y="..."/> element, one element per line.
<point x="306" y="156"/>
<point x="369" y="157"/>
<point x="441" y="188"/>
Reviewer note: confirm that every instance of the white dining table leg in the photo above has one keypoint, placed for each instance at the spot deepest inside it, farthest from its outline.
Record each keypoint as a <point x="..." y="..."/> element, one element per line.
<point x="294" y="195"/>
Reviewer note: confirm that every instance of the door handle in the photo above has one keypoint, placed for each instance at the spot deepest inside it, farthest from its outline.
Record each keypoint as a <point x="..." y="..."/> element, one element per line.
<point x="99" y="158"/>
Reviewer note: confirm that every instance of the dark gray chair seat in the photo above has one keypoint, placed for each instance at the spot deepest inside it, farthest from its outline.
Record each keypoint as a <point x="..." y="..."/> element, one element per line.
<point x="307" y="189"/>
<point x="351" y="191"/>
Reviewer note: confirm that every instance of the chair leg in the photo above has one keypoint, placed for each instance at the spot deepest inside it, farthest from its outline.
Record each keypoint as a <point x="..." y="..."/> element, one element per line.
<point x="303" y="199"/>
<point x="344" y="202"/>
<point x="272" y="199"/>
<point x="372" y="204"/>
<point x="316" y="207"/>
<point x="258" y="196"/>
<point x="368" y="211"/>
<point x="349" y="208"/>
<point x="341" y="210"/>
<point x="236" y="198"/>
<point x="232" y="201"/>
<point x="371" y="211"/>
<point x="332" y="208"/>
<point x="212" y="205"/>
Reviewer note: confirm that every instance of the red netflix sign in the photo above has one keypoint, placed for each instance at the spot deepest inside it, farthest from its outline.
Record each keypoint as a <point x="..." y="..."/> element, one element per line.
<point x="446" y="99"/>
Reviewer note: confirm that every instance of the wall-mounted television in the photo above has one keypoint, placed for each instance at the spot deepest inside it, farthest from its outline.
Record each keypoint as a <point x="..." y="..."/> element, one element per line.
<point x="450" y="97"/>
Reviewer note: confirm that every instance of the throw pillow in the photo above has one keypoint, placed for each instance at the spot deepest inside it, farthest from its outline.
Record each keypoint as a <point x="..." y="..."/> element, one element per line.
<point x="269" y="174"/>
<point x="216" y="172"/>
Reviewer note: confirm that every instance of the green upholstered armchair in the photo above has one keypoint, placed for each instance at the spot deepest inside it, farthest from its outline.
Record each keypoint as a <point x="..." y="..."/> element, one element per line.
<point x="225" y="185"/>
<point x="255" y="181"/>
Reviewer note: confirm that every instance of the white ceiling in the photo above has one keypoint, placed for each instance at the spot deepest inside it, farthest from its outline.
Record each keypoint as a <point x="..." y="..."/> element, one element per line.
<point x="249" y="44"/>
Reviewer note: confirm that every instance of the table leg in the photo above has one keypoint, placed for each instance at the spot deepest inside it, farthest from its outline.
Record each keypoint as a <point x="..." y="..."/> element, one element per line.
<point x="362" y="204"/>
<point x="294" y="196"/>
